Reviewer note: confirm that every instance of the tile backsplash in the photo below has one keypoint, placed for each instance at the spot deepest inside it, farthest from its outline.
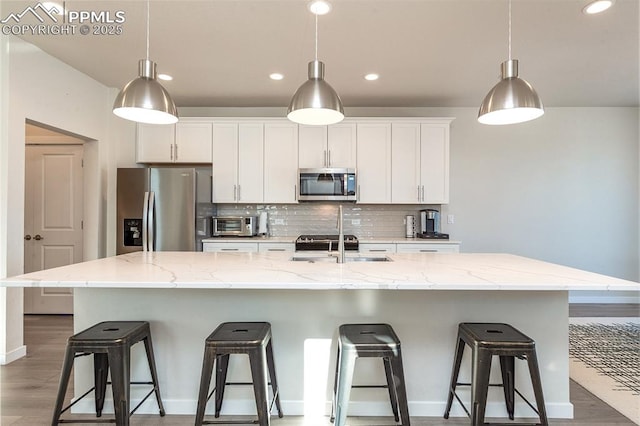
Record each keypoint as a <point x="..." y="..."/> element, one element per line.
<point x="364" y="221"/>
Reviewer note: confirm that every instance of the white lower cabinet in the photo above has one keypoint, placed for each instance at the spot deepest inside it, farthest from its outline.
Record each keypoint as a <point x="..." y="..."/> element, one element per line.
<point x="281" y="247"/>
<point x="428" y="248"/>
<point x="376" y="248"/>
<point x="248" y="247"/>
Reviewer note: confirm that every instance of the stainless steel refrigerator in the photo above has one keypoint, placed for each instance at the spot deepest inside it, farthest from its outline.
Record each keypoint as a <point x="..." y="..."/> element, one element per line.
<point x="163" y="208"/>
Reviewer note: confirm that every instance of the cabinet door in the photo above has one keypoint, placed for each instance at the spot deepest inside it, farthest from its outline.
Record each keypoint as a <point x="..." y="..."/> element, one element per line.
<point x="312" y="146"/>
<point x="374" y="162"/>
<point x="434" y="160"/>
<point x="193" y="143"/>
<point x="341" y="145"/>
<point x="154" y="143"/>
<point x="225" y="162"/>
<point x="405" y="163"/>
<point x="280" y="162"/>
<point x="250" y="163"/>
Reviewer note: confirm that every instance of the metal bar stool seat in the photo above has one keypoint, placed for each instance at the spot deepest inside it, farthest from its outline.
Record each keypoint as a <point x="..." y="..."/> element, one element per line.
<point x="485" y="341"/>
<point x="369" y="340"/>
<point x="254" y="340"/>
<point x="110" y="343"/>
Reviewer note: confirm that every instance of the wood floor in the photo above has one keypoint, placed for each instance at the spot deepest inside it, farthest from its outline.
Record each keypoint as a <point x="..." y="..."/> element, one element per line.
<point x="28" y="386"/>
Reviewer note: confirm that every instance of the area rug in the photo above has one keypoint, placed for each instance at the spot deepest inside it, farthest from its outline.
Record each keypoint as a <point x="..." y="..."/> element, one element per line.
<point x="604" y="358"/>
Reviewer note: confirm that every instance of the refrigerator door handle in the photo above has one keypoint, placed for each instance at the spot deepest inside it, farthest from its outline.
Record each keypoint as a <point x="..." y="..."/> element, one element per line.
<point x="145" y="221"/>
<point x="152" y="209"/>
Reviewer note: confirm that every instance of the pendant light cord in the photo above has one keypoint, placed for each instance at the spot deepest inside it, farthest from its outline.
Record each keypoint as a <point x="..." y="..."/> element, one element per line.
<point x="509" y="29"/>
<point x="316" y="36"/>
<point x="147" y="30"/>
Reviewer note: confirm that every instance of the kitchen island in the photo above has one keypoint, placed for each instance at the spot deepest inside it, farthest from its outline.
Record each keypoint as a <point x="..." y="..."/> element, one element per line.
<point x="423" y="296"/>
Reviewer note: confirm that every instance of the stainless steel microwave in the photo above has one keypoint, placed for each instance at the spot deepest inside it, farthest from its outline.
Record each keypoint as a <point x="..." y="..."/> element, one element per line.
<point x="239" y="226"/>
<point x="327" y="184"/>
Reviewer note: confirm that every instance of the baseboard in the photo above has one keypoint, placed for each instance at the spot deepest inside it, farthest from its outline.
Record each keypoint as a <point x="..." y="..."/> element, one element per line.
<point x="356" y="408"/>
<point x="13" y="355"/>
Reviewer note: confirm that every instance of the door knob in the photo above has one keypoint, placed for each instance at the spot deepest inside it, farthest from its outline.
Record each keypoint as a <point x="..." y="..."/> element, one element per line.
<point x="38" y="237"/>
<point x="28" y="237"/>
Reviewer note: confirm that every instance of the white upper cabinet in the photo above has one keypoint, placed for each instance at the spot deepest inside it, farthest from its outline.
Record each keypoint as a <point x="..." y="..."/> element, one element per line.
<point x="327" y="146"/>
<point x="405" y="163"/>
<point x="183" y="142"/>
<point x="420" y="162"/>
<point x="374" y="162"/>
<point x="238" y="153"/>
<point x="434" y="163"/>
<point x="280" y="162"/>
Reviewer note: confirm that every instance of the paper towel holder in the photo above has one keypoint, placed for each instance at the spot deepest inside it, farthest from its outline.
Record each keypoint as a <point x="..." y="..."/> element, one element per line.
<point x="262" y="224"/>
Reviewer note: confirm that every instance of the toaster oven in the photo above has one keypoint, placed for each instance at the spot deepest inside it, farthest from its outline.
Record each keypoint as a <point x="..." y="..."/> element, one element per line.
<point x="239" y="226"/>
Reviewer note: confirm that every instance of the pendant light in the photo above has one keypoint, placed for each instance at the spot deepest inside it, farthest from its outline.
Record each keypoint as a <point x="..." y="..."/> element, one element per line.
<point x="315" y="102"/>
<point x="143" y="99"/>
<point x="512" y="100"/>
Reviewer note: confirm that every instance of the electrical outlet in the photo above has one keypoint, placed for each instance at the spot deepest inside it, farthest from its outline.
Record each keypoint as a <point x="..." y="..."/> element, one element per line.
<point x="279" y="222"/>
<point x="355" y="221"/>
<point x="450" y="219"/>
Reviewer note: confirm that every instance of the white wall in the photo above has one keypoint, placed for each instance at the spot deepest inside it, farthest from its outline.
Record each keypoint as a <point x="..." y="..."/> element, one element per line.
<point x="39" y="87"/>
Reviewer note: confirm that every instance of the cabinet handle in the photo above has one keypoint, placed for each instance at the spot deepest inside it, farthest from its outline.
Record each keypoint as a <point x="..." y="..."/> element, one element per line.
<point x="239" y="192"/>
<point x="38" y="237"/>
<point x="378" y="250"/>
<point x="329" y="158"/>
<point x="419" y="193"/>
<point x="325" y="163"/>
<point x="176" y="151"/>
<point x="276" y="249"/>
<point x="27" y="237"/>
<point x="428" y="251"/>
<point x="295" y="192"/>
<point x="423" y="193"/>
<point x="229" y="249"/>
<point x="358" y="196"/>
<point x="171" y="151"/>
<point x="234" y="192"/>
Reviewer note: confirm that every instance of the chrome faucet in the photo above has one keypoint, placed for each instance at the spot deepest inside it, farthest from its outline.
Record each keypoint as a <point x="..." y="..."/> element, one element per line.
<point x="340" y="236"/>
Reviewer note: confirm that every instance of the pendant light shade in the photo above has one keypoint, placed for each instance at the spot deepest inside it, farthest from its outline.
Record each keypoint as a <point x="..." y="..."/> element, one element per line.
<point x="315" y="102"/>
<point x="512" y="100"/>
<point x="144" y="99"/>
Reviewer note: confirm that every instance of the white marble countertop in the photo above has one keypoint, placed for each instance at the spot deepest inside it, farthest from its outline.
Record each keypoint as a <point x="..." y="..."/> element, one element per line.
<point x="275" y="270"/>
<point x="377" y="240"/>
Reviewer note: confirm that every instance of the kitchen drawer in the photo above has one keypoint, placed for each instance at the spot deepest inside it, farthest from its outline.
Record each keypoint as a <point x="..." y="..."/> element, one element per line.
<point x="230" y="247"/>
<point x="428" y="248"/>
<point x="377" y="248"/>
<point x="287" y="247"/>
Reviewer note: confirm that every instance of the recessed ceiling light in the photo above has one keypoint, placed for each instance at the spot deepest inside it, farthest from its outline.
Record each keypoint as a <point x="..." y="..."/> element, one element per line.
<point x="598" y="6"/>
<point x="276" y="76"/>
<point x="320" y="7"/>
<point x="165" y="77"/>
<point x="371" y="77"/>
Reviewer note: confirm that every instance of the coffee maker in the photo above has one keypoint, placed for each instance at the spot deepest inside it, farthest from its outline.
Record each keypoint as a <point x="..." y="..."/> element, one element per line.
<point x="430" y="225"/>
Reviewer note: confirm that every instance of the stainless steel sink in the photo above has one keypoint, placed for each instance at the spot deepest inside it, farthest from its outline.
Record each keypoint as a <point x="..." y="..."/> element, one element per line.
<point x="334" y="259"/>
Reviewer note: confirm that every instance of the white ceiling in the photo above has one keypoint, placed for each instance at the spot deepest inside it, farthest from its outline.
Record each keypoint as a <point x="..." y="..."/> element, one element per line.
<point x="428" y="52"/>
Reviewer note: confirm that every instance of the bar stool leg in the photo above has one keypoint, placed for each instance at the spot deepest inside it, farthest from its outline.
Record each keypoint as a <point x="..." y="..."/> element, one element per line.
<point x="507" y="369"/>
<point x="346" y="363"/>
<point x="120" y="380"/>
<point x="393" y="396"/>
<point x="222" y="367"/>
<point x="454" y="375"/>
<point x="100" y="372"/>
<point x="272" y="377"/>
<point x="400" y="388"/>
<point x="65" y="375"/>
<point x="536" y="382"/>
<point x="258" y="362"/>
<point x="335" y="386"/>
<point x="480" y="371"/>
<point x="148" y="347"/>
<point x="205" y="381"/>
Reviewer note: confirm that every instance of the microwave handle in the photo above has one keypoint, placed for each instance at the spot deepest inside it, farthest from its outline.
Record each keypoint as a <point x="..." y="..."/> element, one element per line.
<point x="295" y="192"/>
<point x="345" y="182"/>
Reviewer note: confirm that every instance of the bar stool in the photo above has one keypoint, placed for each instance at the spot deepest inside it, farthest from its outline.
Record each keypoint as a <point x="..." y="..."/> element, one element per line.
<point x="486" y="340"/>
<point x="369" y="340"/>
<point x="252" y="339"/>
<point x="110" y="343"/>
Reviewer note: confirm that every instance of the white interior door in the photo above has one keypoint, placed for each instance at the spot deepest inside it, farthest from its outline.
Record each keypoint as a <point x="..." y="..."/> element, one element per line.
<point x="53" y="220"/>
